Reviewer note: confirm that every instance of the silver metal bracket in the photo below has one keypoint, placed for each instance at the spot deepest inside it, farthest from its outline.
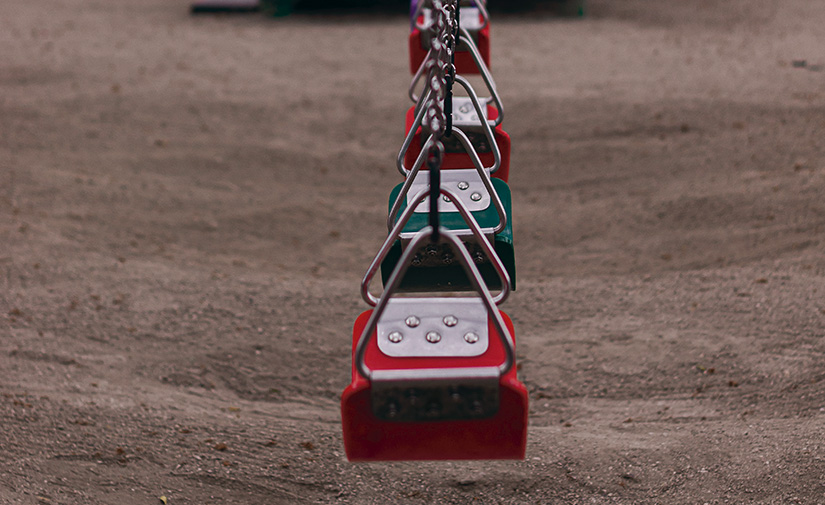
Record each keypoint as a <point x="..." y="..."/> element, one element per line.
<point x="465" y="115"/>
<point x="433" y="328"/>
<point x="465" y="183"/>
<point x="435" y="394"/>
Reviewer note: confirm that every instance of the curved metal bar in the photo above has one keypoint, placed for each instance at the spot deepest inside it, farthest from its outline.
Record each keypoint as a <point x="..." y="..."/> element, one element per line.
<point x="488" y="130"/>
<point x="395" y="279"/>
<point x="485" y="15"/>
<point x="419" y="117"/>
<point x="468" y="147"/>
<point x="408" y="181"/>
<point x="498" y="265"/>
<point x="486" y="76"/>
<point x="485" y="179"/>
<point x="482" y="7"/>
<point x="417" y="77"/>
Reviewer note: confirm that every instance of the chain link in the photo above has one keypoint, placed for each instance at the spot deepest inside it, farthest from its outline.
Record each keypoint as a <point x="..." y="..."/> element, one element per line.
<point x="440" y="71"/>
<point x="438" y="112"/>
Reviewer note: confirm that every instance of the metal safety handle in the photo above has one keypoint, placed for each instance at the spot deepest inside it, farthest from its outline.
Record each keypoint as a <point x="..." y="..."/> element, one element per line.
<point x="446" y="237"/>
<point x="486" y="76"/>
<point x="498" y="265"/>
<point x="468" y="146"/>
<point x="417" y="77"/>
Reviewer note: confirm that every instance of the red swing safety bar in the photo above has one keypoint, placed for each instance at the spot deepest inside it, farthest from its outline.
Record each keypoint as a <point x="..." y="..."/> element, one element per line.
<point x="459" y="401"/>
<point x="464" y="62"/>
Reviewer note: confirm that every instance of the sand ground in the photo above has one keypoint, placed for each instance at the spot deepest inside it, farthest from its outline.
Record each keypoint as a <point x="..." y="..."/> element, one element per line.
<point x="187" y="206"/>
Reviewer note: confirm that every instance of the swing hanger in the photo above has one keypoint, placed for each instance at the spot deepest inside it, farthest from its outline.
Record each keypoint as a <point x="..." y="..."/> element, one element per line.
<point x="483" y="174"/>
<point x="486" y="75"/>
<point x="449" y="238"/>
<point x="434" y="378"/>
<point x="487" y="127"/>
<point x="475" y="230"/>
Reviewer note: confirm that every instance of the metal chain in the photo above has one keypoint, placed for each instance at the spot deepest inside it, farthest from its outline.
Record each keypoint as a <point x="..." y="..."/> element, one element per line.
<point x="438" y="113"/>
<point x="440" y="66"/>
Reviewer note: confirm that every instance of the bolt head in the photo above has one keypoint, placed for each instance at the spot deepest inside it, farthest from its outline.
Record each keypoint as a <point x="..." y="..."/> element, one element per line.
<point x="463" y="185"/>
<point x="450" y="321"/>
<point x="395" y="337"/>
<point x="476" y="197"/>
<point x="392" y="410"/>
<point x="433" y="337"/>
<point x="471" y="337"/>
<point x="413" y="321"/>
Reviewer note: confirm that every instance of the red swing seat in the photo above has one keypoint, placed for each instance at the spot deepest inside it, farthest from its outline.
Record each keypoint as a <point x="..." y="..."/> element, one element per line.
<point x="369" y="438"/>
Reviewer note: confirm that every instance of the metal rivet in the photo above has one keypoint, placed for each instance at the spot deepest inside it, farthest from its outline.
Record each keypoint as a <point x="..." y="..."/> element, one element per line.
<point x="416" y="260"/>
<point x="432" y="250"/>
<point x="463" y="185"/>
<point x="395" y="337"/>
<point x="478" y="257"/>
<point x="450" y="321"/>
<point x="476" y="197"/>
<point x="433" y="337"/>
<point x="447" y="258"/>
<point x="471" y="337"/>
<point x="392" y="410"/>
<point x="412" y="321"/>
<point x="446" y="198"/>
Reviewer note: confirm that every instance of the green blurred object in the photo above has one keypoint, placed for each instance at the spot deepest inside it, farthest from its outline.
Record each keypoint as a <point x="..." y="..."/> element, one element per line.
<point x="276" y="8"/>
<point x="223" y="6"/>
<point x="572" y="8"/>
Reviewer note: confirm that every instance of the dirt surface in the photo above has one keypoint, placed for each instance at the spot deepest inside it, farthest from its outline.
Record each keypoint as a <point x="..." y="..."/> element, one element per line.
<point x="187" y="206"/>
